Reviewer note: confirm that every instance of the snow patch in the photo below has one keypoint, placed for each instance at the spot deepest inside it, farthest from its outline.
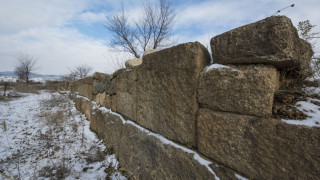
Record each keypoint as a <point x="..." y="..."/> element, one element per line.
<point x="85" y="98"/>
<point x="240" y="177"/>
<point x="309" y="107"/>
<point x="311" y="110"/>
<point x="216" y="66"/>
<point x="312" y="90"/>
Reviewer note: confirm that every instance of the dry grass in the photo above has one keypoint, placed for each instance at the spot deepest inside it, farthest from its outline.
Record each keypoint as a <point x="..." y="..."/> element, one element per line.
<point x="58" y="171"/>
<point x="54" y="86"/>
<point x="19" y="87"/>
<point x="27" y="88"/>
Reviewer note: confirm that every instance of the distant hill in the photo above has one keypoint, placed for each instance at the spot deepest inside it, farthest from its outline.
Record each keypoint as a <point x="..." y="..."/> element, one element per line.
<point x="32" y="75"/>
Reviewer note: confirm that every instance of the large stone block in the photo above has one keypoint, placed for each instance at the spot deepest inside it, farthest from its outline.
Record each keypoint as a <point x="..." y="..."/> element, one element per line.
<point x="87" y="80"/>
<point x="259" y="148"/>
<point x="146" y="157"/>
<point x="126" y="104"/>
<point x="85" y="90"/>
<point x="240" y="89"/>
<point x="99" y="80"/>
<point x="166" y="98"/>
<point x="101" y="99"/>
<point x="272" y="41"/>
<point x="123" y="80"/>
<point x="100" y="76"/>
<point x="122" y="88"/>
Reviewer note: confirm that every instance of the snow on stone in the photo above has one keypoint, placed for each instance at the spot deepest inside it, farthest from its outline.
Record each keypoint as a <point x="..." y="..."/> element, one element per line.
<point x="239" y="177"/>
<point x="215" y="66"/>
<point x="85" y="98"/>
<point x="164" y="140"/>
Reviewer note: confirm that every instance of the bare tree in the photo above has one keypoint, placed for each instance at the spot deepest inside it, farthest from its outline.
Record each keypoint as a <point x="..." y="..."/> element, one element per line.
<point x="78" y="72"/>
<point x="305" y="29"/>
<point x="83" y="71"/>
<point x="69" y="77"/>
<point x="152" y="30"/>
<point x="26" y="65"/>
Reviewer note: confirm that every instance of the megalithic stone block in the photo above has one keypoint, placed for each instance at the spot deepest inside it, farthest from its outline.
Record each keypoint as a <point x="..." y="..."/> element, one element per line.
<point x="246" y="89"/>
<point x="274" y="41"/>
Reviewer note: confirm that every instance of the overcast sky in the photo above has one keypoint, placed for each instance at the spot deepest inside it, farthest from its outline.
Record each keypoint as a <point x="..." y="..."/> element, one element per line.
<point x="62" y="34"/>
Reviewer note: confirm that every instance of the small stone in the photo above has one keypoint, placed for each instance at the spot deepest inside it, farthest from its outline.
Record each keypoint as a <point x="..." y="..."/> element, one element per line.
<point x="133" y="62"/>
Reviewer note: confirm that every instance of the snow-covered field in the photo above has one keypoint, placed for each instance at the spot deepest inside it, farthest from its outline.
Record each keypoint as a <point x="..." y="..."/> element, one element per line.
<point x="43" y="136"/>
<point x="14" y="79"/>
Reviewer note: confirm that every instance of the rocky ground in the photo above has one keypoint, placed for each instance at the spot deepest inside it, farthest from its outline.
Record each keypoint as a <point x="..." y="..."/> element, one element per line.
<point x="43" y="136"/>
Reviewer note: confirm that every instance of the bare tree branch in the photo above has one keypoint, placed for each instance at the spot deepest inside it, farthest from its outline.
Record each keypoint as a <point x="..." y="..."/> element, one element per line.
<point x="123" y="34"/>
<point x="305" y="29"/>
<point x="152" y="30"/>
<point x="78" y="72"/>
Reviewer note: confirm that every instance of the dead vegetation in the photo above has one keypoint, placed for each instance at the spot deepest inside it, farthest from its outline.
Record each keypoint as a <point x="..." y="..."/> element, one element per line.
<point x="291" y="91"/>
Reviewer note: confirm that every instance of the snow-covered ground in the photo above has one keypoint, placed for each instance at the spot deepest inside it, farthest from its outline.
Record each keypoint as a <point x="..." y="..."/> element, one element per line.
<point x="8" y="79"/>
<point x="14" y="79"/>
<point x="43" y="136"/>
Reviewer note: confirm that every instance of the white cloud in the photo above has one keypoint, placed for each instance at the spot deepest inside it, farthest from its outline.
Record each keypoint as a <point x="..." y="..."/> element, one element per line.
<point x="211" y="14"/>
<point x="92" y="17"/>
<point x="39" y="28"/>
<point x="197" y="20"/>
<point x="56" y="49"/>
<point x="16" y="15"/>
<point x="45" y="28"/>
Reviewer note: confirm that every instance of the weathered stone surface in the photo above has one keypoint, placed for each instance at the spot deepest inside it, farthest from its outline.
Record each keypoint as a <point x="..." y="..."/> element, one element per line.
<point x="85" y="90"/>
<point x="113" y="103"/>
<point x="149" y="51"/>
<point x="272" y="41"/>
<point x="166" y="97"/>
<point x="87" y="80"/>
<point x="99" y="87"/>
<point x="100" y="76"/>
<point x="101" y="99"/>
<point x="240" y="89"/>
<point x="108" y="101"/>
<point x="259" y="148"/>
<point x="99" y="80"/>
<point x="122" y="88"/>
<point x="144" y="156"/>
<point x="122" y="80"/>
<point x="125" y="104"/>
<point x="133" y="62"/>
<point x="86" y="108"/>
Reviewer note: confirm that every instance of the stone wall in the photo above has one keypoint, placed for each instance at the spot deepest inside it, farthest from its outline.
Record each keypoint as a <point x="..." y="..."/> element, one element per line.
<point x="175" y="117"/>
